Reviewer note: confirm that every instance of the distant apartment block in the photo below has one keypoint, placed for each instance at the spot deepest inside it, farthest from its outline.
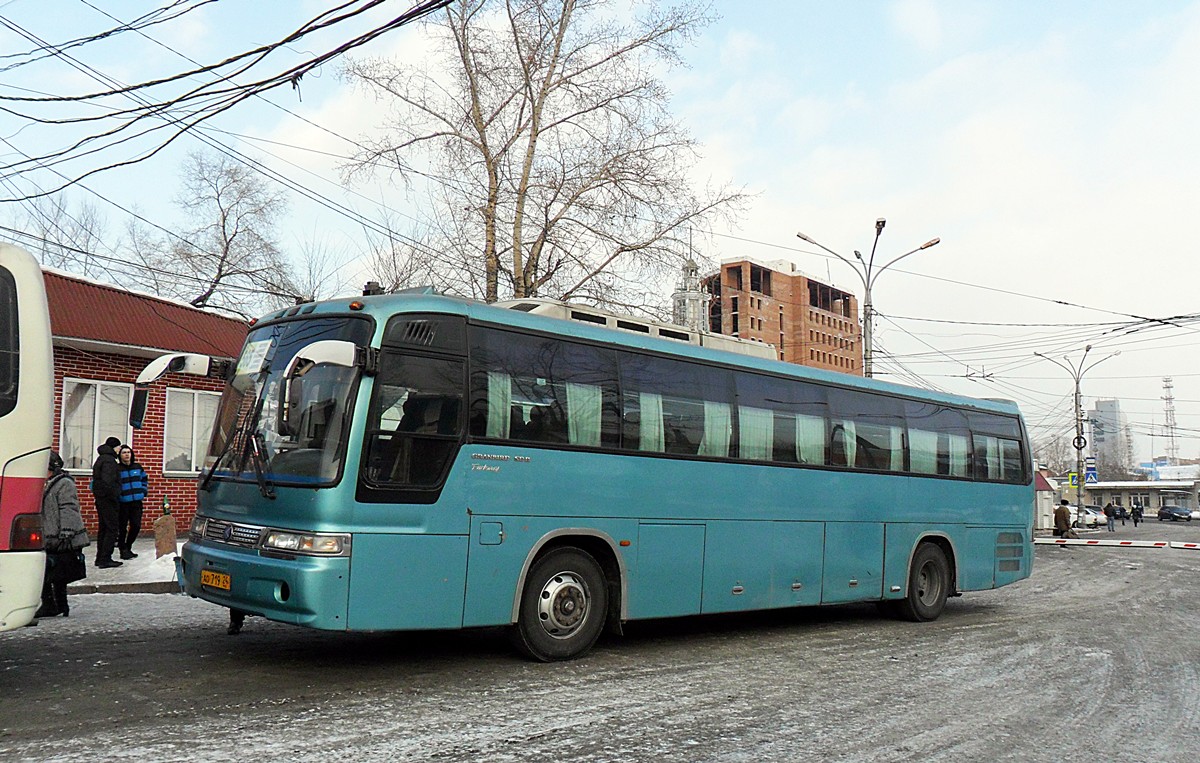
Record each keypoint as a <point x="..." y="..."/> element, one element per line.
<point x="809" y="322"/>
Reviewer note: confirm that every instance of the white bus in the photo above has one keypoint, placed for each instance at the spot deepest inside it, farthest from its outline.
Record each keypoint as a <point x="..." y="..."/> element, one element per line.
<point x="26" y="422"/>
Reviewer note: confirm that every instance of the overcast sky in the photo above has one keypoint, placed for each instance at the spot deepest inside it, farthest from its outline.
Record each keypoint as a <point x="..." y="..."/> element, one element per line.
<point x="1051" y="146"/>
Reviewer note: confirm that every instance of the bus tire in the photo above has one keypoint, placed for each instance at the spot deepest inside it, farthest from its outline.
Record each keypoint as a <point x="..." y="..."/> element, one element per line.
<point x="563" y="607"/>
<point x="928" y="585"/>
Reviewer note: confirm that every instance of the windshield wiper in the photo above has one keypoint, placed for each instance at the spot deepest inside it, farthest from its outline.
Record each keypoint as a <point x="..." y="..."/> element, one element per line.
<point x="258" y="446"/>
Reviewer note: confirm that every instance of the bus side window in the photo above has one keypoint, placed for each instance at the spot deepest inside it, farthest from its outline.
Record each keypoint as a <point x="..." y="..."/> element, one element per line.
<point x="9" y="342"/>
<point x="938" y="439"/>
<point x="677" y="407"/>
<point x="997" y="447"/>
<point x="414" y="420"/>
<point x="534" y="389"/>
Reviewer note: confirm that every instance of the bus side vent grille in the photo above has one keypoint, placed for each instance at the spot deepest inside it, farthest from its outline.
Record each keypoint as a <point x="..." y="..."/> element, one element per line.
<point x="1010" y="551"/>
<point x="420" y="333"/>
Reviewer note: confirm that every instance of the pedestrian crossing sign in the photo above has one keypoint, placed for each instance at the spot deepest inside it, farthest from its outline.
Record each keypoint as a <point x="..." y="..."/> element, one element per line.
<point x="1091" y="478"/>
<point x="1073" y="479"/>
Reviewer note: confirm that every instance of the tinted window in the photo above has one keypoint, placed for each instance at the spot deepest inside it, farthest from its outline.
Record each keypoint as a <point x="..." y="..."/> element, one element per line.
<point x="670" y="406"/>
<point x="414" y="421"/>
<point x="10" y="344"/>
<point x="997" y="447"/>
<point x="939" y="441"/>
<point x="994" y="424"/>
<point x="866" y="431"/>
<point x="780" y="420"/>
<point x="998" y="458"/>
<point x="537" y="389"/>
<point x="436" y="332"/>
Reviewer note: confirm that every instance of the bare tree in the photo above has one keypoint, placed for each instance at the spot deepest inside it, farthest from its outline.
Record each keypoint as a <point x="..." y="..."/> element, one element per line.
<point x="69" y="235"/>
<point x="315" y="276"/>
<point x="228" y="258"/>
<point x="1056" y="453"/>
<point x="554" y="166"/>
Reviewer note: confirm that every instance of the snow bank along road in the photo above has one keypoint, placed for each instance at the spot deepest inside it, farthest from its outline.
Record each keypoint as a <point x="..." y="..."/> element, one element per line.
<point x="1096" y="657"/>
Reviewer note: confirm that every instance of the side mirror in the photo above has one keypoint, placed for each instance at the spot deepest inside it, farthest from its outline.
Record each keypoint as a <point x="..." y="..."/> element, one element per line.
<point x="137" y="410"/>
<point x="175" y="363"/>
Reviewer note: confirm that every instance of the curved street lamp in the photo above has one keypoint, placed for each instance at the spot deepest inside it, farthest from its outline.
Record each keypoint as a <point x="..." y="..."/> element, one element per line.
<point x="1077" y="370"/>
<point x="866" y="272"/>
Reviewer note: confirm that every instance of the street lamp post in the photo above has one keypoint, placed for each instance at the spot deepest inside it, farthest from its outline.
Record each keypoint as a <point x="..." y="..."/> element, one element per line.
<point x="866" y="272"/>
<point x="1077" y="370"/>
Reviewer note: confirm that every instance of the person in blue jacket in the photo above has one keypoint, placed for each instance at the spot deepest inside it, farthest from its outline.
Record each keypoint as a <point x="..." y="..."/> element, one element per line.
<point x="133" y="492"/>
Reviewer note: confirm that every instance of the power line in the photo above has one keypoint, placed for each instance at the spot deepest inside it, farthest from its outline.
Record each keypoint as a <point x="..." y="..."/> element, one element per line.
<point x="202" y="102"/>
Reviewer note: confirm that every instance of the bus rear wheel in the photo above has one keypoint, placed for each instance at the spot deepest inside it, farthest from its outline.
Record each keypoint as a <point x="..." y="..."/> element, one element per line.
<point x="563" y="606"/>
<point x="928" y="585"/>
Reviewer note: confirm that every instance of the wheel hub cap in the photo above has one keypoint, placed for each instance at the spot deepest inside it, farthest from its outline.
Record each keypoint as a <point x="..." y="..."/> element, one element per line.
<point x="562" y="605"/>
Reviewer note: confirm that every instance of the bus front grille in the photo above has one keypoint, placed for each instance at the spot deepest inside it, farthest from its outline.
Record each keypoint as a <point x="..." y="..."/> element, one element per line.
<point x="220" y="531"/>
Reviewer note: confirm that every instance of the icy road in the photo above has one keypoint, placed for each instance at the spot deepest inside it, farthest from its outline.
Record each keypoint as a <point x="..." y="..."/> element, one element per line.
<point x="1095" y="658"/>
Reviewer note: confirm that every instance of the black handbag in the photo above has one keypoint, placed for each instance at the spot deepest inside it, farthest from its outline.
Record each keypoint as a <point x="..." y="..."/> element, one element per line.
<point x="66" y="566"/>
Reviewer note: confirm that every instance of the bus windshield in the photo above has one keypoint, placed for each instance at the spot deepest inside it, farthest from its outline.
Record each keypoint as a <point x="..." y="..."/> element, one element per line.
<point x="254" y="439"/>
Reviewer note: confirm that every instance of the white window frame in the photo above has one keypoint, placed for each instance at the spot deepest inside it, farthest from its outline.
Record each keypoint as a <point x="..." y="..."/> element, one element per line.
<point x="62" y="422"/>
<point x="199" y="450"/>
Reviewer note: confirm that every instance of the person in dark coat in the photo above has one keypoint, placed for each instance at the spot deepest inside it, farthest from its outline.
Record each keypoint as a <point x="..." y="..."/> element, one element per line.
<point x="1062" y="519"/>
<point x="106" y="487"/>
<point x="65" y="539"/>
<point x="133" y="493"/>
<point x="1136" y="513"/>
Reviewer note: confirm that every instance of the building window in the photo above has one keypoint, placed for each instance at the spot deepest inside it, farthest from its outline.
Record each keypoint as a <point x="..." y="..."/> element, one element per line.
<point x="92" y="412"/>
<point x="190" y="417"/>
<point x="760" y="280"/>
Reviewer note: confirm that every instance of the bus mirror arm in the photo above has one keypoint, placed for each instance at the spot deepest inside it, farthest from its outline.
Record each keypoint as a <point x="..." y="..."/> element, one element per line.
<point x="367" y="358"/>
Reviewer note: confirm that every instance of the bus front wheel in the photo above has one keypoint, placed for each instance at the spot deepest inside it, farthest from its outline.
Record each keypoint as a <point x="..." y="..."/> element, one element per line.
<point x="928" y="585"/>
<point x="563" y="606"/>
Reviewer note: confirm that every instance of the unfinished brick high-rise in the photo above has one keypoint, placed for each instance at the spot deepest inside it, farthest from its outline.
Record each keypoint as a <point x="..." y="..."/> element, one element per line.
<point x="809" y="322"/>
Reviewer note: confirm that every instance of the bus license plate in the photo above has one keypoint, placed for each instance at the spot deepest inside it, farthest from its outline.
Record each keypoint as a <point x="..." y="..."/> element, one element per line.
<point x="214" y="579"/>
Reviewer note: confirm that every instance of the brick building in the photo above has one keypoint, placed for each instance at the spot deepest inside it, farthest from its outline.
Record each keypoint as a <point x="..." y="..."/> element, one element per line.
<point x="809" y="323"/>
<point x="103" y="337"/>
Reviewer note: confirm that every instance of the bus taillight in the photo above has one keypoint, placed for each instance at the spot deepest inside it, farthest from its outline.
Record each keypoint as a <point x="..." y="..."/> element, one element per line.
<point x="27" y="532"/>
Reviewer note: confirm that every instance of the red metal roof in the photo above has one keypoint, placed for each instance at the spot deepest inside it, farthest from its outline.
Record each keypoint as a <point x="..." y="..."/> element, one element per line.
<point x="101" y="313"/>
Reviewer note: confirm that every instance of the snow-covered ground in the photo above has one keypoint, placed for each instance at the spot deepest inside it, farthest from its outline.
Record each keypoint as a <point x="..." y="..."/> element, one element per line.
<point x="1093" y="658"/>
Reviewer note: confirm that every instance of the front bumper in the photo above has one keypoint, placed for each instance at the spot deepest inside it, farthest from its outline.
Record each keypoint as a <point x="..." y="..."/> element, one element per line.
<point x="301" y="590"/>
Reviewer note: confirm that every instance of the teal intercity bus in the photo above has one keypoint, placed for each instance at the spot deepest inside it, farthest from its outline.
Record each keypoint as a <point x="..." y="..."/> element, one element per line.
<point x="414" y="461"/>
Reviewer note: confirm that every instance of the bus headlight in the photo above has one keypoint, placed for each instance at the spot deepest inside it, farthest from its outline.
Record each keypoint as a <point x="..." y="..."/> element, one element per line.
<point x="307" y="543"/>
<point x="196" y="531"/>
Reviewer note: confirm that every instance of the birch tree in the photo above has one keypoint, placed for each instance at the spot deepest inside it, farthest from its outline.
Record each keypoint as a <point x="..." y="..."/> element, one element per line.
<point x="541" y="137"/>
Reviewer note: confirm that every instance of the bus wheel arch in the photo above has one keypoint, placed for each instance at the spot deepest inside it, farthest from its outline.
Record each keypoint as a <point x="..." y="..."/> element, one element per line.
<point x="564" y="604"/>
<point x="931" y="580"/>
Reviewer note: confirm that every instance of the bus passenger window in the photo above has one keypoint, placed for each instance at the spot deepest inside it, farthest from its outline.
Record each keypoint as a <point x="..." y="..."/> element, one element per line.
<point x="533" y="389"/>
<point x="998" y="458"/>
<point x="756" y="433"/>
<point x="843" y="443"/>
<point x="414" y="420"/>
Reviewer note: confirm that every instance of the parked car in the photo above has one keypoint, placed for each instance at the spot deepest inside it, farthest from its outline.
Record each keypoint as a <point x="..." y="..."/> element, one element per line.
<point x="1174" y="513"/>
<point x="1120" y="512"/>
<point x="1093" y="516"/>
<point x="1195" y="513"/>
